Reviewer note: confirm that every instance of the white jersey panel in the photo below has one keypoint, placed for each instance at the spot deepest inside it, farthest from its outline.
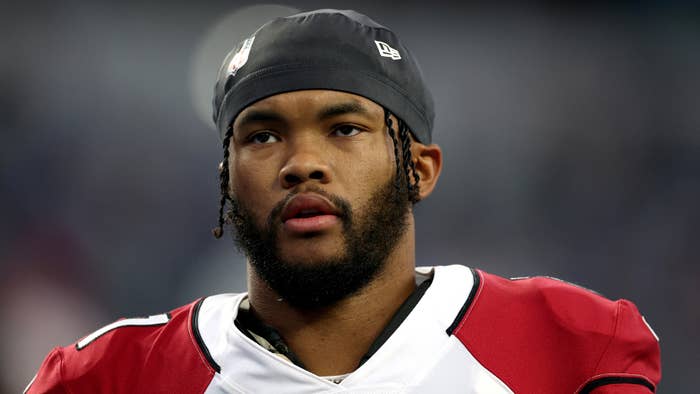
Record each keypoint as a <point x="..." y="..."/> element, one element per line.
<point x="419" y="356"/>
<point x="458" y="371"/>
<point x="246" y="367"/>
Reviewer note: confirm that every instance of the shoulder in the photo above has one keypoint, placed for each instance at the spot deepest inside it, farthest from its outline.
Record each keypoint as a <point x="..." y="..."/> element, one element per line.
<point x="566" y="305"/>
<point x="543" y="322"/>
<point x="134" y="352"/>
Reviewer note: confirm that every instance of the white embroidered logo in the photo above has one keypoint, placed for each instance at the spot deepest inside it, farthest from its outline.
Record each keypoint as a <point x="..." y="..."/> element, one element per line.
<point x="241" y="57"/>
<point x="386" y="51"/>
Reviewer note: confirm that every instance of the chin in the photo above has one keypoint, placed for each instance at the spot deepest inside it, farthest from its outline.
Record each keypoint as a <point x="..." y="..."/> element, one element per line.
<point x="310" y="252"/>
<point x="311" y="247"/>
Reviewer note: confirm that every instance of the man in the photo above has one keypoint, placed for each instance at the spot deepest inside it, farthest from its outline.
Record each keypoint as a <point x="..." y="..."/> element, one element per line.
<point x="326" y="127"/>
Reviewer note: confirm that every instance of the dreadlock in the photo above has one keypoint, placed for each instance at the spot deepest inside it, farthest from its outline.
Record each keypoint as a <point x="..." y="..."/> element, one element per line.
<point x="405" y="167"/>
<point x="223" y="181"/>
<point x="404" y="161"/>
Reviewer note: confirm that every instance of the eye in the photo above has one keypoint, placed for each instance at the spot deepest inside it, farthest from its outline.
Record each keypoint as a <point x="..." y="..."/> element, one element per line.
<point x="263" y="137"/>
<point x="346" y="130"/>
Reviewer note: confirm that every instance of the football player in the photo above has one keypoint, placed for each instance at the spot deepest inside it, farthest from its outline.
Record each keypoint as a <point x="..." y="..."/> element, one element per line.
<point x="326" y="126"/>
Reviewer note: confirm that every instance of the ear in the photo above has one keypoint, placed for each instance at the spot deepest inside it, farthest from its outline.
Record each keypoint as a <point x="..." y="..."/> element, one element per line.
<point x="428" y="162"/>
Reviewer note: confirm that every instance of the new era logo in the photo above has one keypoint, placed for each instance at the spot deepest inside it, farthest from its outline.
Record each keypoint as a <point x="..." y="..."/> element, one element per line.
<point x="386" y="51"/>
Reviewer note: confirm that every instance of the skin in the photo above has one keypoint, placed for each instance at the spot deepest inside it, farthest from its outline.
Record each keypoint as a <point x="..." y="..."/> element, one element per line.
<point x="336" y="141"/>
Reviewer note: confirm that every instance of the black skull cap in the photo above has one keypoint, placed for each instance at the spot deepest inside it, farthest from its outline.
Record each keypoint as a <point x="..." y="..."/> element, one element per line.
<point x="340" y="50"/>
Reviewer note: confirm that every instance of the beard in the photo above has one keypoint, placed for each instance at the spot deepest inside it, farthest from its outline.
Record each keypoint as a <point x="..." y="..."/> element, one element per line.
<point x="369" y="237"/>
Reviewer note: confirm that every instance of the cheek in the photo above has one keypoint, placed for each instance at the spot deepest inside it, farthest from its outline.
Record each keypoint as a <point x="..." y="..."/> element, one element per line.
<point x="390" y="153"/>
<point x="249" y="172"/>
<point x="370" y="171"/>
<point x="251" y="184"/>
<point x="380" y="161"/>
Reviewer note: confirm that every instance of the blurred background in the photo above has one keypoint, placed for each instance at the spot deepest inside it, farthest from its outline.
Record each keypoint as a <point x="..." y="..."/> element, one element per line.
<point x="571" y="136"/>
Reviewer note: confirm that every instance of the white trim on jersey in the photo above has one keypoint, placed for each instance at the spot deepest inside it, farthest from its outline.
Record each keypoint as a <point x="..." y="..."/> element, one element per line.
<point x="418" y="357"/>
<point x="153" y="320"/>
<point x="29" y="385"/>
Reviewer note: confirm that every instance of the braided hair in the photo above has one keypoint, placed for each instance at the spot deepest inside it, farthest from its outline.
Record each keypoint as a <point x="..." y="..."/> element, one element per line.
<point x="405" y="167"/>
<point x="218" y="231"/>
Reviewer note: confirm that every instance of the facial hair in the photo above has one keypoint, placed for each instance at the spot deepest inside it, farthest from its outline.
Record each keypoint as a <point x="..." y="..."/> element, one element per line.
<point x="370" y="236"/>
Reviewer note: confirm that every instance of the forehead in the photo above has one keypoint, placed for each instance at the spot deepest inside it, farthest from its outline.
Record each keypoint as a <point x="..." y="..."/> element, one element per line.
<point x="301" y="102"/>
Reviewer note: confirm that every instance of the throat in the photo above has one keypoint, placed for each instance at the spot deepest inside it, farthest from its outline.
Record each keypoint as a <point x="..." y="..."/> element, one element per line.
<point x="337" y="342"/>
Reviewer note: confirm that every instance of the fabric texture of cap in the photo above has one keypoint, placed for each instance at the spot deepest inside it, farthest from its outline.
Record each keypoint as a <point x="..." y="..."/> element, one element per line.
<point x="325" y="49"/>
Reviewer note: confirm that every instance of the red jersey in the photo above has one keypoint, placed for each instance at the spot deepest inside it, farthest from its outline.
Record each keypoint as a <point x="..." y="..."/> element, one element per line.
<point x="471" y="332"/>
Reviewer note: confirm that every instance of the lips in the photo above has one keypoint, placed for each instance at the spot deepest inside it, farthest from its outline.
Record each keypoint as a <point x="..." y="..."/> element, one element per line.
<point x="306" y="206"/>
<point x="309" y="213"/>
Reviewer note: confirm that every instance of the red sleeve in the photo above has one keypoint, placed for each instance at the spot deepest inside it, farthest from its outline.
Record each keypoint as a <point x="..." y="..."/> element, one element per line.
<point x="631" y="362"/>
<point x="541" y="335"/>
<point x="142" y="355"/>
<point x="48" y="379"/>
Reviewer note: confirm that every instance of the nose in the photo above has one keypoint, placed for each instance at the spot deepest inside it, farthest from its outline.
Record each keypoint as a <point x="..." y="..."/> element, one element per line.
<point x="305" y="164"/>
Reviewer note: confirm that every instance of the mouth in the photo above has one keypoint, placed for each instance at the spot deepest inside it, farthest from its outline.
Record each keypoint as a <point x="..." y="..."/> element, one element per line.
<point x="305" y="213"/>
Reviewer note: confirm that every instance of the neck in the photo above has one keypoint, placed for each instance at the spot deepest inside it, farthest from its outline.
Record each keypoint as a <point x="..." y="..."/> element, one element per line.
<point x="332" y="340"/>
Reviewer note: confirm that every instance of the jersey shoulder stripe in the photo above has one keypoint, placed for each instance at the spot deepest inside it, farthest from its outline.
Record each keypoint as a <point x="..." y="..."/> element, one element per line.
<point x="155" y="320"/>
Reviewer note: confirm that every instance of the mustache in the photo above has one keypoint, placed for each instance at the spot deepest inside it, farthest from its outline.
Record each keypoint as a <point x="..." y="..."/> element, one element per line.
<point x="344" y="207"/>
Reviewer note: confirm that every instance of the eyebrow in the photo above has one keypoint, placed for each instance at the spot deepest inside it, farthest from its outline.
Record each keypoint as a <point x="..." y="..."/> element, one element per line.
<point x="351" y="107"/>
<point x="261" y="115"/>
<point x="253" y="116"/>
